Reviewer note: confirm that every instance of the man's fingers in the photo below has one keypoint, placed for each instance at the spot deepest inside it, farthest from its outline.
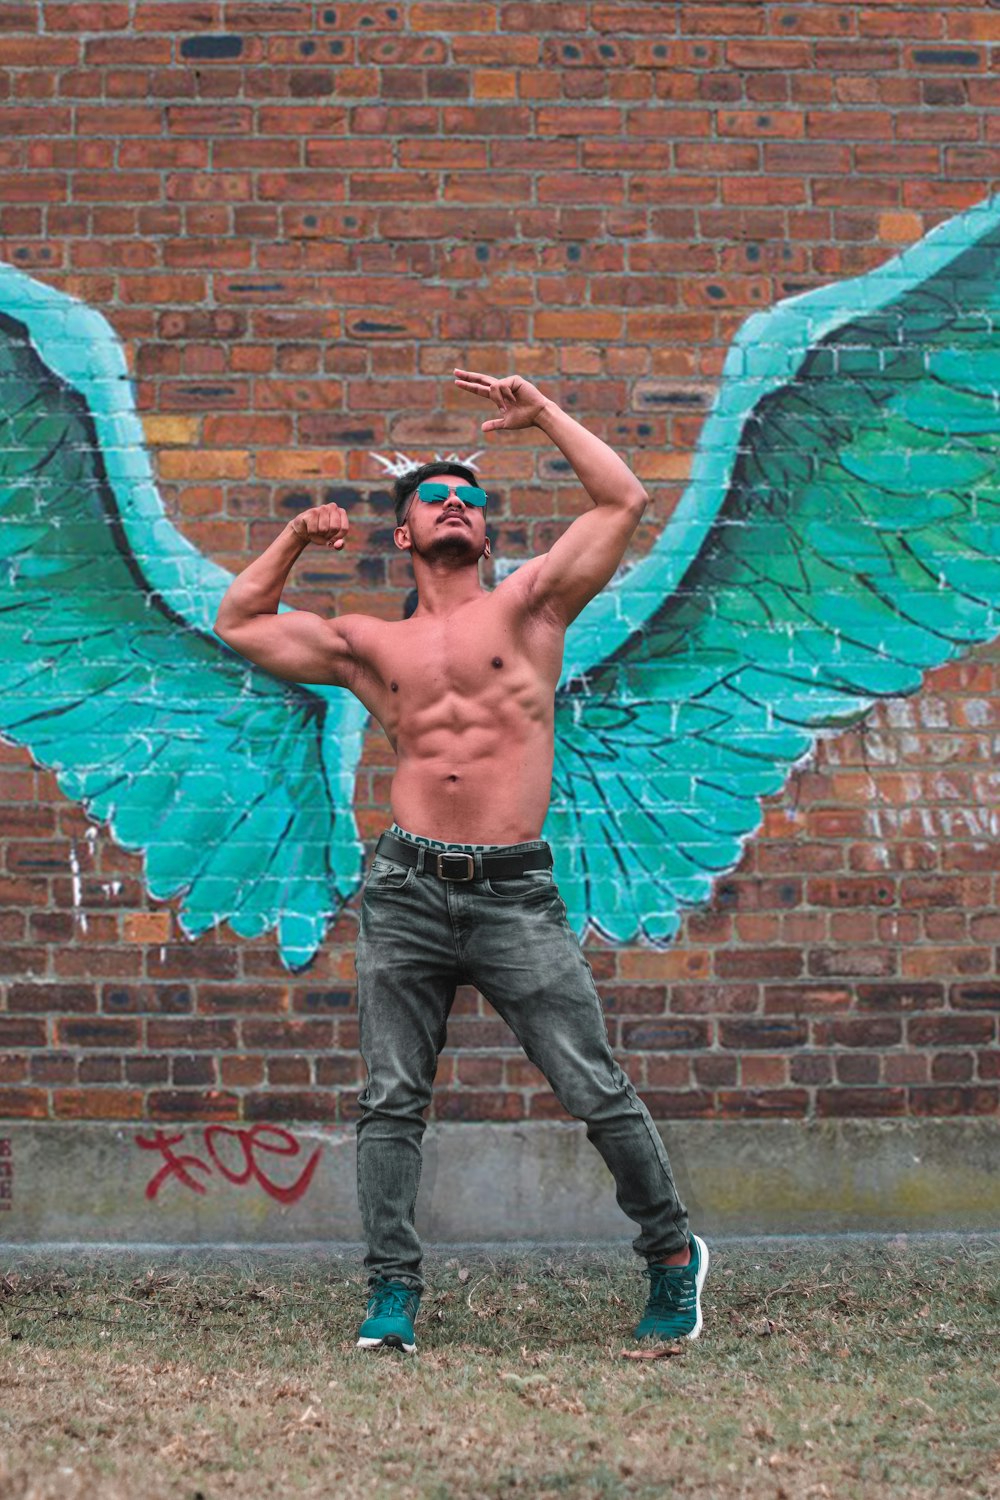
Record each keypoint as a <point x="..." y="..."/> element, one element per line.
<point x="472" y="380"/>
<point x="327" y="525"/>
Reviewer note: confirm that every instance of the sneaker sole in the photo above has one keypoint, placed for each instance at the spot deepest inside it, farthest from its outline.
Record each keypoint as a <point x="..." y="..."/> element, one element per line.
<point x="391" y="1341"/>
<point x="699" y="1282"/>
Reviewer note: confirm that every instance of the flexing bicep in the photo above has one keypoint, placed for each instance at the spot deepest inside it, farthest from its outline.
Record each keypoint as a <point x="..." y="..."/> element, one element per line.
<point x="298" y="646"/>
<point x="583" y="560"/>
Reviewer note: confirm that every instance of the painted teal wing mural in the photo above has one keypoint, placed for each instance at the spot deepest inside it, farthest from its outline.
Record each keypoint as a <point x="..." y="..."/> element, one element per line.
<point x="839" y="537"/>
<point x="237" y="787"/>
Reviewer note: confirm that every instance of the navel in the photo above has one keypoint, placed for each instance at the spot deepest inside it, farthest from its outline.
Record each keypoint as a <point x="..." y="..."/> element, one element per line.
<point x="394" y="686"/>
<point x="497" y="662"/>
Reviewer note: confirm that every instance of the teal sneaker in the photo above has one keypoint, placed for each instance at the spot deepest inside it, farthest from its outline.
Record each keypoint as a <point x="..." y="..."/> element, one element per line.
<point x="674" y="1307"/>
<point x="392" y="1308"/>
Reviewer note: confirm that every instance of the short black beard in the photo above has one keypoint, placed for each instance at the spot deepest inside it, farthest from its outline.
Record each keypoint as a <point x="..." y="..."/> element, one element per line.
<point x="446" y="547"/>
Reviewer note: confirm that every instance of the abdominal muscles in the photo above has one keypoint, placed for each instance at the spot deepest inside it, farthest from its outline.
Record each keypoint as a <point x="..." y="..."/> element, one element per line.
<point x="476" y="769"/>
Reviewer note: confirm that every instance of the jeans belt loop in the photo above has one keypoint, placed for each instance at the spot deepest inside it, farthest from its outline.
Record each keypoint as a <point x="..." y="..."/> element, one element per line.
<point x="421" y="855"/>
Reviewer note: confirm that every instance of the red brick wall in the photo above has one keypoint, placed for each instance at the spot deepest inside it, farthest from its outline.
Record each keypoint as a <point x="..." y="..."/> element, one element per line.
<point x="299" y="217"/>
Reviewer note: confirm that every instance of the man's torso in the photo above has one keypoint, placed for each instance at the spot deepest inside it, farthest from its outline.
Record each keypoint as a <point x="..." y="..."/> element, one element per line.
<point x="467" y="703"/>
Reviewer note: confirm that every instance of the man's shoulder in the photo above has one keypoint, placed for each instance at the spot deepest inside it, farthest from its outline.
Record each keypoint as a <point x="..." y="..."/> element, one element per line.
<point x="358" y="629"/>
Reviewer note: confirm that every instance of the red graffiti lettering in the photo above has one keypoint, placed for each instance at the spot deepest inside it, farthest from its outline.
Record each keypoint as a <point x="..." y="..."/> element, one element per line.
<point x="175" y="1165"/>
<point x="249" y="1142"/>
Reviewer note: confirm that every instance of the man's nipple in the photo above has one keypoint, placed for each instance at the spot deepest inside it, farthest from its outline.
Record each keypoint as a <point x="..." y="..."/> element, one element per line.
<point x="497" y="661"/>
<point x="394" y="686"/>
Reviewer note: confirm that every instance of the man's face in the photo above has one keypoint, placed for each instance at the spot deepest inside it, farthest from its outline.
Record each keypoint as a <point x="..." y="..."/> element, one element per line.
<point x="447" y="528"/>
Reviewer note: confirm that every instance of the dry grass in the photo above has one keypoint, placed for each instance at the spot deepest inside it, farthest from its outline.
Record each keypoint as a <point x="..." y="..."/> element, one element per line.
<point x="841" y="1368"/>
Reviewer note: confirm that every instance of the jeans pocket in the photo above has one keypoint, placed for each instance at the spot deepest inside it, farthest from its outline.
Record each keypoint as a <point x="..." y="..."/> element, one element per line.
<point x="389" y="874"/>
<point x="533" y="885"/>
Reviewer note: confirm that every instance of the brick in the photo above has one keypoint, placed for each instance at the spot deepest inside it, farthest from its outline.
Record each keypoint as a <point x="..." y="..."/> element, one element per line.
<point x="900" y="996"/>
<point x="680" y="1104"/>
<point x="98" y="1031"/>
<point x="811" y="1068"/>
<point x="761" y="1071"/>
<point x="18" y="1032"/>
<point x="301" y="1034"/>
<point x="671" y="123"/>
<point x="984" y="995"/>
<point x="771" y="52"/>
<point x="989" y="1064"/>
<point x="471" y="1104"/>
<point x="134" y="999"/>
<point x="973" y="1100"/>
<point x="759" y="1031"/>
<point x="196" y="1035"/>
<point x="946" y="1030"/>
<point x="858" y="1031"/>
<point x="147" y="1069"/>
<point x="763" y="963"/>
<point x="860" y="1102"/>
<point x="729" y="19"/>
<point x="193" y="1104"/>
<point x="23" y="1104"/>
<point x="757" y="1103"/>
<point x="795" y="999"/>
<point x="952" y="1067"/>
<point x="282" y="1072"/>
<point x="664" y="1035"/>
<point x="52" y="998"/>
<point x="97" y="1104"/>
<point x="857" y="1068"/>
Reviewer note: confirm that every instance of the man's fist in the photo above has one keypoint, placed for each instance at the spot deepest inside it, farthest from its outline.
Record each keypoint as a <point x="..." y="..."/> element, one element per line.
<point x="326" y="525"/>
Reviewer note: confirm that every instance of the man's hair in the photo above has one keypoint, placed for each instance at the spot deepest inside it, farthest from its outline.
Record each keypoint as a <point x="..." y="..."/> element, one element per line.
<point x="407" y="483"/>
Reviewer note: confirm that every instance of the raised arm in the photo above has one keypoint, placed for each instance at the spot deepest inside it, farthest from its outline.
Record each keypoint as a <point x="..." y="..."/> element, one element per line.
<point x="298" y="646"/>
<point x="584" y="559"/>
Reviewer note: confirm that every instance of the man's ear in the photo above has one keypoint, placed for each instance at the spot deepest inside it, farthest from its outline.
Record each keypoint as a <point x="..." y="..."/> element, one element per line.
<point x="402" y="531"/>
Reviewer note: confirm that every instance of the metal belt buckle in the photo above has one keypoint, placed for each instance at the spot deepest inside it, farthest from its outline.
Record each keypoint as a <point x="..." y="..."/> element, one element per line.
<point x="470" y="873"/>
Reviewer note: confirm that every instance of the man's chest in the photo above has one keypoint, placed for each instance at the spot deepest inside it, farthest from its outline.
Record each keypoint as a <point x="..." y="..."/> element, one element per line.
<point x="481" y="654"/>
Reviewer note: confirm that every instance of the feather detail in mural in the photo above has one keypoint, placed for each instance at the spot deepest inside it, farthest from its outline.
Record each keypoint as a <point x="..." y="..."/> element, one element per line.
<point x="237" y="787"/>
<point x="840" y="535"/>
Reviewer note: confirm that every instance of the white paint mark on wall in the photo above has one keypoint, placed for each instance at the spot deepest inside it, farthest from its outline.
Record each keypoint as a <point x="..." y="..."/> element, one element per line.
<point x="74" y="864"/>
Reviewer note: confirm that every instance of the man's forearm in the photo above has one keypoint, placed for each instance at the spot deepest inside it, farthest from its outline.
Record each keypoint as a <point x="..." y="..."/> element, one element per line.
<point x="607" y="479"/>
<point x="257" y="590"/>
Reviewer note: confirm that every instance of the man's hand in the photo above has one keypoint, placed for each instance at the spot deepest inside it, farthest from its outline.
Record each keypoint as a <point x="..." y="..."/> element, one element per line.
<point x="326" y="525"/>
<point x="520" y="402"/>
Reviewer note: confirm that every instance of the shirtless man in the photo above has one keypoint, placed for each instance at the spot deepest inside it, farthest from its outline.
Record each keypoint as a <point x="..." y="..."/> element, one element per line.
<point x="461" y="888"/>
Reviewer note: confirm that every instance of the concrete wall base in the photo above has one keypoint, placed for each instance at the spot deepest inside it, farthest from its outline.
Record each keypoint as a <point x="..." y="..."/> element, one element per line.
<point x="196" y="1184"/>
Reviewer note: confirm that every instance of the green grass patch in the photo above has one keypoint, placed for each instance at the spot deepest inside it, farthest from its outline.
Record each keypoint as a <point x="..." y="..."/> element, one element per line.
<point x="847" y="1368"/>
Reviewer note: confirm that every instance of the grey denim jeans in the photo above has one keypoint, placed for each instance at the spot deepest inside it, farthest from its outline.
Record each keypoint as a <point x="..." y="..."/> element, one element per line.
<point x="419" y="938"/>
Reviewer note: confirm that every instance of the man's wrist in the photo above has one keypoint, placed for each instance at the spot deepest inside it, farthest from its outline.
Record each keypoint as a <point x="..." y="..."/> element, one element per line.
<point x="548" y="415"/>
<point x="300" y="538"/>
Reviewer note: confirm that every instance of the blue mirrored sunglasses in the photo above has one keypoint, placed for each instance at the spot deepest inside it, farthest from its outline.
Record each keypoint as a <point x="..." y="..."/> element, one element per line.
<point x="433" y="493"/>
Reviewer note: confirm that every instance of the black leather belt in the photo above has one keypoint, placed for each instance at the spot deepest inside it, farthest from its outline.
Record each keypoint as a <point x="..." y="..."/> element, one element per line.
<point x="453" y="864"/>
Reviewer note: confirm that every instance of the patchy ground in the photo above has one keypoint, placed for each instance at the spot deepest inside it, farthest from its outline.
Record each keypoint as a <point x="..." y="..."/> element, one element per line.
<point x="842" y="1368"/>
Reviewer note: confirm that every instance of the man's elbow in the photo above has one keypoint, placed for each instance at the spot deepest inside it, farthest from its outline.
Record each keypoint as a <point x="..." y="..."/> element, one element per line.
<point x="222" y="629"/>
